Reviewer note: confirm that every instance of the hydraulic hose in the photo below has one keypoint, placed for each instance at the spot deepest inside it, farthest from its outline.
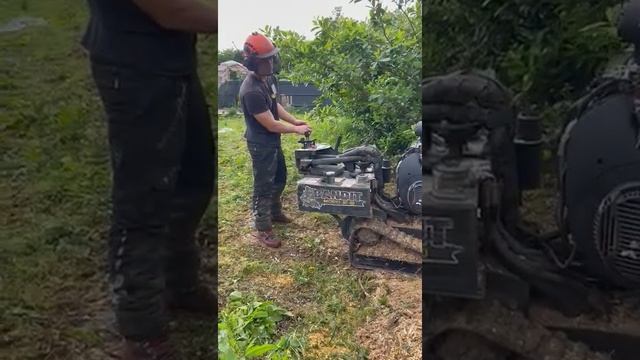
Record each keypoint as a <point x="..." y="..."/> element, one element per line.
<point x="389" y="208"/>
<point x="338" y="160"/>
<point x="536" y="257"/>
<point x="520" y="263"/>
<point x="367" y="151"/>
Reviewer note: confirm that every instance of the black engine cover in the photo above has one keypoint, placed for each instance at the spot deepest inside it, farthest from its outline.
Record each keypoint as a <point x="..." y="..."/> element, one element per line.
<point x="602" y="183"/>
<point x="409" y="180"/>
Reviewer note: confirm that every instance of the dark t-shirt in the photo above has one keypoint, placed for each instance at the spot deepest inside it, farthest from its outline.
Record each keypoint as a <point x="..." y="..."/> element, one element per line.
<point x="119" y="33"/>
<point x="257" y="96"/>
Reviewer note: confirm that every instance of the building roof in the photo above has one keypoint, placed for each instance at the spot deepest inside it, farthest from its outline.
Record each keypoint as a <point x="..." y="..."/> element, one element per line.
<point x="287" y="88"/>
<point x="226" y="68"/>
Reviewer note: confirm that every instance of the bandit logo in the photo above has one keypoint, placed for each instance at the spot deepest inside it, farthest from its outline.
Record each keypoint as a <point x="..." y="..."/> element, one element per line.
<point x="438" y="248"/>
<point x="316" y="198"/>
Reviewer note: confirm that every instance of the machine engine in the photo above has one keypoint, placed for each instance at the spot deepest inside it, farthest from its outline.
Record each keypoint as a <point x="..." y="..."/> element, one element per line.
<point x="471" y="176"/>
<point x="482" y="168"/>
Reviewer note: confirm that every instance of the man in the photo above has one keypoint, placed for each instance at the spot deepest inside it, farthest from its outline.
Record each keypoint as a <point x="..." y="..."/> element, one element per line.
<point x="262" y="112"/>
<point x="143" y="61"/>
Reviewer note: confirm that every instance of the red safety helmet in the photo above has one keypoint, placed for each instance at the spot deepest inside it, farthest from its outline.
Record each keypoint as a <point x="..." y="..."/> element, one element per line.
<point x="259" y="46"/>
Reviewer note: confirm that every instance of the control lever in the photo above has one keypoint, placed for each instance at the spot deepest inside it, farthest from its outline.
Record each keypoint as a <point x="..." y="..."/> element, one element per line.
<point x="307" y="142"/>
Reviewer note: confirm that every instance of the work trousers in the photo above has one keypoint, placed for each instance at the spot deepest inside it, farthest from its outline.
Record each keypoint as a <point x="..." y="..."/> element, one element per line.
<point x="163" y="168"/>
<point x="269" y="179"/>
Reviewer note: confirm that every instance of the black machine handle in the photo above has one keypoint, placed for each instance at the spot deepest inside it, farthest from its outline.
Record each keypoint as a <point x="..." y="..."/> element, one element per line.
<point x="307" y="142"/>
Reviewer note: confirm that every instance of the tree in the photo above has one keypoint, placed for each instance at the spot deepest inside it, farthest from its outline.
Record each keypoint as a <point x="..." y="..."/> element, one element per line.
<point x="369" y="70"/>
<point x="547" y="51"/>
<point x="230" y="54"/>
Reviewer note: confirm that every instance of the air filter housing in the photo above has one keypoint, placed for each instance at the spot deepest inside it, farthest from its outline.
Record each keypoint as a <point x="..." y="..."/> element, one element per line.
<point x="602" y="189"/>
<point x="617" y="230"/>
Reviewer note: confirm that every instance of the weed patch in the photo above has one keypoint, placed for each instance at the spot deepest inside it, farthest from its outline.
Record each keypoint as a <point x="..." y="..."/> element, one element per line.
<point x="248" y="328"/>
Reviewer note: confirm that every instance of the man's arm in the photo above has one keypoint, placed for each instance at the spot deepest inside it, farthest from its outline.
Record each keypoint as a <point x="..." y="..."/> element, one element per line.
<point x="284" y="115"/>
<point x="184" y="15"/>
<point x="266" y="119"/>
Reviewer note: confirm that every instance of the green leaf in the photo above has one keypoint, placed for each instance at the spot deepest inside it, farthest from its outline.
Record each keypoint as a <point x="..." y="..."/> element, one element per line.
<point x="259" y="350"/>
<point x="235" y="296"/>
<point x="593" y="26"/>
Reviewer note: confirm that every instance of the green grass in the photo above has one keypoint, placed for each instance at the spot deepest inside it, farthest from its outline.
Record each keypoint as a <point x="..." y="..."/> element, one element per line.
<point x="309" y="277"/>
<point x="54" y="192"/>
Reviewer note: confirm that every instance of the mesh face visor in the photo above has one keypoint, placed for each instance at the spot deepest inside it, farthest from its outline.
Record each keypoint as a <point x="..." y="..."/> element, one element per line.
<point x="269" y="66"/>
<point x="276" y="63"/>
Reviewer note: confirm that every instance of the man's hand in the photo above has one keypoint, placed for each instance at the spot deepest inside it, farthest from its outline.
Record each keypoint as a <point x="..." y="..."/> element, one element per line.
<point x="183" y="15"/>
<point x="300" y="122"/>
<point x="302" y="129"/>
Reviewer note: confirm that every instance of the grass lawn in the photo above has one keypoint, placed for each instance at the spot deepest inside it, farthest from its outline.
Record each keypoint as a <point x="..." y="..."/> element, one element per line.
<point x="340" y="312"/>
<point x="54" y="193"/>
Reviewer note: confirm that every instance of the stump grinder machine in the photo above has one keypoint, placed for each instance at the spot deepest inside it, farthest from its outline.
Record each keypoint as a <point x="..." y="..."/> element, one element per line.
<point x="382" y="231"/>
<point x="496" y="286"/>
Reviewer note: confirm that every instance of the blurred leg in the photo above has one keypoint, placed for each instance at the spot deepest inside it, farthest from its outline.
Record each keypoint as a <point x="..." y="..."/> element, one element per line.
<point x="145" y="116"/>
<point x="194" y="188"/>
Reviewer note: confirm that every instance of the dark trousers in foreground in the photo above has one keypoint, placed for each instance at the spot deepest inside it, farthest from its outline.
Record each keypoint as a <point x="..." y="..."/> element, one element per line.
<point x="163" y="164"/>
<point x="269" y="179"/>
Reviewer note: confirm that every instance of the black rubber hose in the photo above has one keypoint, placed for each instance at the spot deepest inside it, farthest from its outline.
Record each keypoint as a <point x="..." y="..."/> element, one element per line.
<point x="535" y="255"/>
<point x="338" y="160"/>
<point x="568" y="294"/>
<point x="520" y="263"/>
<point x="389" y="208"/>
<point x="367" y="151"/>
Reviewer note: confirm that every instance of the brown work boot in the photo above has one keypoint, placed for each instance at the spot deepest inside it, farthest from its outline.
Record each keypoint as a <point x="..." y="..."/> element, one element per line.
<point x="199" y="301"/>
<point x="157" y="349"/>
<point x="267" y="238"/>
<point x="281" y="218"/>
